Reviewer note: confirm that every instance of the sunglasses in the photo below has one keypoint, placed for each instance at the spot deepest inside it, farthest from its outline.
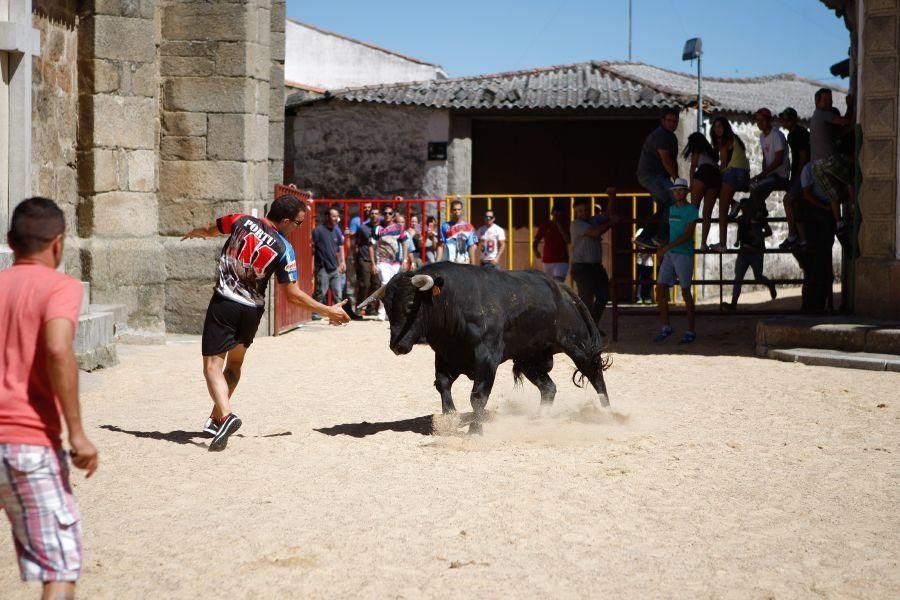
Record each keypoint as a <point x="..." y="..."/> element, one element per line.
<point x="296" y="222"/>
<point x="488" y="217"/>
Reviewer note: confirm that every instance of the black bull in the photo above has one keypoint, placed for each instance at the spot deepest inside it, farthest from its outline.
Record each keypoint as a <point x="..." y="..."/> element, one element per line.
<point x="476" y="318"/>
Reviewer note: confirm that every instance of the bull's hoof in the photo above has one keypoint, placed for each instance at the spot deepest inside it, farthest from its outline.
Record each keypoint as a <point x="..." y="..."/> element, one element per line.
<point x="604" y="400"/>
<point x="448" y="410"/>
<point x="476" y="429"/>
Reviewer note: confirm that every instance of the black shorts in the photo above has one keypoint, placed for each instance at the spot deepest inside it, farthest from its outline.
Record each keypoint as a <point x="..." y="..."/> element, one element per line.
<point x="228" y="324"/>
<point x="709" y="175"/>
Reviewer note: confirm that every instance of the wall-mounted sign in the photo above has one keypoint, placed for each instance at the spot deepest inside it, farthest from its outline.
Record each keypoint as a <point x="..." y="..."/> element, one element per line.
<point x="437" y="150"/>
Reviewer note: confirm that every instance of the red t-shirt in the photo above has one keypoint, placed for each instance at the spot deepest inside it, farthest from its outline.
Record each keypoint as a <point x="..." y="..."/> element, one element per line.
<point x="31" y="295"/>
<point x="555" y="249"/>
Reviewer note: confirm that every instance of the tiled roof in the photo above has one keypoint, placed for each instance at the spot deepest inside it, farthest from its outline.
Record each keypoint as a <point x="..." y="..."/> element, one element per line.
<point x="581" y="85"/>
<point x="743" y="95"/>
<point x="589" y="85"/>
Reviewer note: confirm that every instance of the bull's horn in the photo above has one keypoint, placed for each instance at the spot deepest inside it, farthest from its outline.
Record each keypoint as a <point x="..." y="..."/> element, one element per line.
<point x="378" y="295"/>
<point x="423" y="282"/>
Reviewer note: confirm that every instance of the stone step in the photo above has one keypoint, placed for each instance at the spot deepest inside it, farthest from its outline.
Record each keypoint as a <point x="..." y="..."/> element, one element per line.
<point x="85" y="297"/>
<point x="869" y="361"/>
<point x="95" y="345"/>
<point x="848" y="334"/>
<point x="119" y="312"/>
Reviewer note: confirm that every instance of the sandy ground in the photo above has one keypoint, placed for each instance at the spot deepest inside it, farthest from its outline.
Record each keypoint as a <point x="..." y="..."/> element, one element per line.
<point x="716" y="475"/>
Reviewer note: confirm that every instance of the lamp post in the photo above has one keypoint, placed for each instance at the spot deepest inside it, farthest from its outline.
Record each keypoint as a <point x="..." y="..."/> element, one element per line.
<point x="693" y="48"/>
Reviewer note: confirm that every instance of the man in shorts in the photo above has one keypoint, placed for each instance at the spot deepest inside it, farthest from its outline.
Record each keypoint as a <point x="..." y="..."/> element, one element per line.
<point x="677" y="261"/>
<point x="256" y="249"/>
<point x="39" y="309"/>
<point x="491" y="241"/>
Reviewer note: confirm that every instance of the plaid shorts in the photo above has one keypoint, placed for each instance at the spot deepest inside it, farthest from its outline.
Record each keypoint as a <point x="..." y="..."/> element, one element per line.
<point x="833" y="176"/>
<point x="46" y="522"/>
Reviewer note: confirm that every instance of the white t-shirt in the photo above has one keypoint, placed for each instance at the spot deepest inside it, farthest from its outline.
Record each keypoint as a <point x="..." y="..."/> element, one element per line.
<point x="489" y="239"/>
<point x="771" y="144"/>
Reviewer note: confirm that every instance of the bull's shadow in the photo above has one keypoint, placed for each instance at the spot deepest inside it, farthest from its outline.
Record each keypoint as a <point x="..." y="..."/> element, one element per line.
<point x="424" y="425"/>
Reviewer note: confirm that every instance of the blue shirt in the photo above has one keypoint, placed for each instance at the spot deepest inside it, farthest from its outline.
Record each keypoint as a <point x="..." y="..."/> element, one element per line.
<point x="680" y="218"/>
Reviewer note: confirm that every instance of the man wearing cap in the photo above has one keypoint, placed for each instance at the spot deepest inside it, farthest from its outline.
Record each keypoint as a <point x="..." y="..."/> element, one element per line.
<point x="776" y="166"/>
<point x="677" y="261"/>
<point x="798" y="142"/>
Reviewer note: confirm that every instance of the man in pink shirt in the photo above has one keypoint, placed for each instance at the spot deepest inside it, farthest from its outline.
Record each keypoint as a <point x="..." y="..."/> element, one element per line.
<point x="39" y="309"/>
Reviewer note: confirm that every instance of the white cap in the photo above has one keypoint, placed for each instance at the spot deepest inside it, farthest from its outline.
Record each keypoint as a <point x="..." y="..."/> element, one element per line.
<point x="680" y="184"/>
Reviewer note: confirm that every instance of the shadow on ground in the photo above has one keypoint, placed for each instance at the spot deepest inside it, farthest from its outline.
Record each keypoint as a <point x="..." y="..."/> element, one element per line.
<point x="427" y="425"/>
<point x="180" y="436"/>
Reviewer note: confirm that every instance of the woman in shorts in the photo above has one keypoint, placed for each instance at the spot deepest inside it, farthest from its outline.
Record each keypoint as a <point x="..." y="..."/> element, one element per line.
<point x="706" y="179"/>
<point x="735" y="173"/>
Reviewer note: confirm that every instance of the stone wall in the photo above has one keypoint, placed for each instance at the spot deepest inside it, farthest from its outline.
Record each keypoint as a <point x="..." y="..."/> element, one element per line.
<point x="55" y="115"/>
<point x="878" y="69"/>
<point x="221" y="68"/>
<point x="118" y="130"/>
<point x="365" y="151"/>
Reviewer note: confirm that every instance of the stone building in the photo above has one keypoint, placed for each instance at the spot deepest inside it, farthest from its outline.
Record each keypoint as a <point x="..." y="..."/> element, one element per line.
<point x="567" y="129"/>
<point x="146" y="117"/>
<point x="874" y="54"/>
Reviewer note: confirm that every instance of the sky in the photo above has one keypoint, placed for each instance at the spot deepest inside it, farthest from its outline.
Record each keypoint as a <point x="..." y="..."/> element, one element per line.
<point x="741" y="38"/>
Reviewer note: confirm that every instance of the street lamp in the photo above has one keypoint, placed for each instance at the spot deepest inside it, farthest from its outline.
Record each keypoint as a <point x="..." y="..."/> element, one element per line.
<point x="693" y="48"/>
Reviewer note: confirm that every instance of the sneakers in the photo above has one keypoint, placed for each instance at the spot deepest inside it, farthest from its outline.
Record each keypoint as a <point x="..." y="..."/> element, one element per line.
<point x="772" y="291"/>
<point x="688" y="337"/>
<point x="704" y="247"/>
<point x="210" y="426"/>
<point x="220" y="440"/>
<point x="841" y="227"/>
<point x="734" y="210"/>
<point x="720" y="248"/>
<point x="665" y="332"/>
<point x="645" y="243"/>
<point x="316" y="317"/>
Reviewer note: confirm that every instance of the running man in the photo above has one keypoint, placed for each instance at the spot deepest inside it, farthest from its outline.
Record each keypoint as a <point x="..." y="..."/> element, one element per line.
<point x="256" y="248"/>
<point x="39" y="309"/>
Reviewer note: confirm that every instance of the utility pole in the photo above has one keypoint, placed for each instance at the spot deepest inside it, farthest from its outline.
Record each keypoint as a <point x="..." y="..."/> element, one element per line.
<point x="693" y="49"/>
<point x="629" y="30"/>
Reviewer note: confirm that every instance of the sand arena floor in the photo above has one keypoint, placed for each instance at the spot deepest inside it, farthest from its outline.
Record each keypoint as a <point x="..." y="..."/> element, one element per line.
<point x="716" y="475"/>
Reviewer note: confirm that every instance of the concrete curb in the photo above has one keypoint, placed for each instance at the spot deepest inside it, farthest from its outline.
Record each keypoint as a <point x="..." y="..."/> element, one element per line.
<point x="835" y="358"/>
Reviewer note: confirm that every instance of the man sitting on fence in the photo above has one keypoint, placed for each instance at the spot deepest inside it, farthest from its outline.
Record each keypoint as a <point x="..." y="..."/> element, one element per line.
<point x="677" y="262"/>
<point x="776" y="166"/>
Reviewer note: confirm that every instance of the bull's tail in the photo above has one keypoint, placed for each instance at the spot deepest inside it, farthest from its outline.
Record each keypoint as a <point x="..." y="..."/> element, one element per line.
<point x="517" y="375"/>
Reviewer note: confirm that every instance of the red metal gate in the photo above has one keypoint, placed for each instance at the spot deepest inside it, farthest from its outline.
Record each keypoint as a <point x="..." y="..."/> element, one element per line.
<point x="287" y="315"/>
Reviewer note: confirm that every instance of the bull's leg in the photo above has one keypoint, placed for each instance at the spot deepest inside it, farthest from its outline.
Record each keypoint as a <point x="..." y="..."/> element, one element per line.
<point x="481" y="391"/>
<point x="538" y="373"/>
<point x="444" y="376"/>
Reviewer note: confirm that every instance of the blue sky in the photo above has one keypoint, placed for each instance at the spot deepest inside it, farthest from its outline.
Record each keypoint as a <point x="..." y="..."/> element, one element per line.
<point x="469" y="37"/>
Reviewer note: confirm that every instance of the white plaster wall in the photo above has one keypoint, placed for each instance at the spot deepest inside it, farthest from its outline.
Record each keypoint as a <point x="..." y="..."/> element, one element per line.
<point x="318" y="59"/>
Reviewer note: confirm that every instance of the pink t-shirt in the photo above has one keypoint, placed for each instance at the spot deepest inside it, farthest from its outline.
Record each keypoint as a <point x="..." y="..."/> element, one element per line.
<point x="31" y="295"/>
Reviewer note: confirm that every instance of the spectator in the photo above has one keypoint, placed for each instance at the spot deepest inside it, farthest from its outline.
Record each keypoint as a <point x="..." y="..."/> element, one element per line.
<point x="657" y="167"/>
<point x="752" y="240"/>
<point x="644" y="274"/>
<point x="367" y="280"/>
<point x="830" y="168"/>
<point x="706" y="179"/>
<point x="588" y="273"/>
<point x="776" y="165"/>
<point x="457" y="237"/>
<point x="431" y="239"/>
<point x="356" y="221"/>
<point x="798" y="142"/>
<point x="330" y="263"/>
<point x="818" y="276"/>
<point x="387" y="216"/>
<point x="390" y="250"/>
<point x="735" y="174"/>
<point x="677" y="262"/>
<point x="555" y="235"/>
<point x="414" y="243"/>
<point x="491" y="241"/>
<point x="39" y="309"/>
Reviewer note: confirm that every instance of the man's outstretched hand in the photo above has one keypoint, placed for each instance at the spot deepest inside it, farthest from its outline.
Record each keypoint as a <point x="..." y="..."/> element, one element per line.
<point x="336" y="313"/>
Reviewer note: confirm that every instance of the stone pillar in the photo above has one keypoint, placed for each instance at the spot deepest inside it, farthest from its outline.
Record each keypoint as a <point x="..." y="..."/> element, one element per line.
<point x="276" y="97"/>
<point x="459" y="156"/>
<point x="118" y="129"/>
<point x="878" y="266"/>
<point x="216" y="65"/>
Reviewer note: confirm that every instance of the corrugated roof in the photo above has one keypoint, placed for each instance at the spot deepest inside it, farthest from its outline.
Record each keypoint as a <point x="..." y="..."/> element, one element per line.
<point x="743" y="95"/>
<point x="582" y="85"/>
<point x="590" y="85"/>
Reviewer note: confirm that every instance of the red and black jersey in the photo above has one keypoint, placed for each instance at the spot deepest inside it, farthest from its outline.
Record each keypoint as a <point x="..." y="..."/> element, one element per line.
<point x="253" y="252"/>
